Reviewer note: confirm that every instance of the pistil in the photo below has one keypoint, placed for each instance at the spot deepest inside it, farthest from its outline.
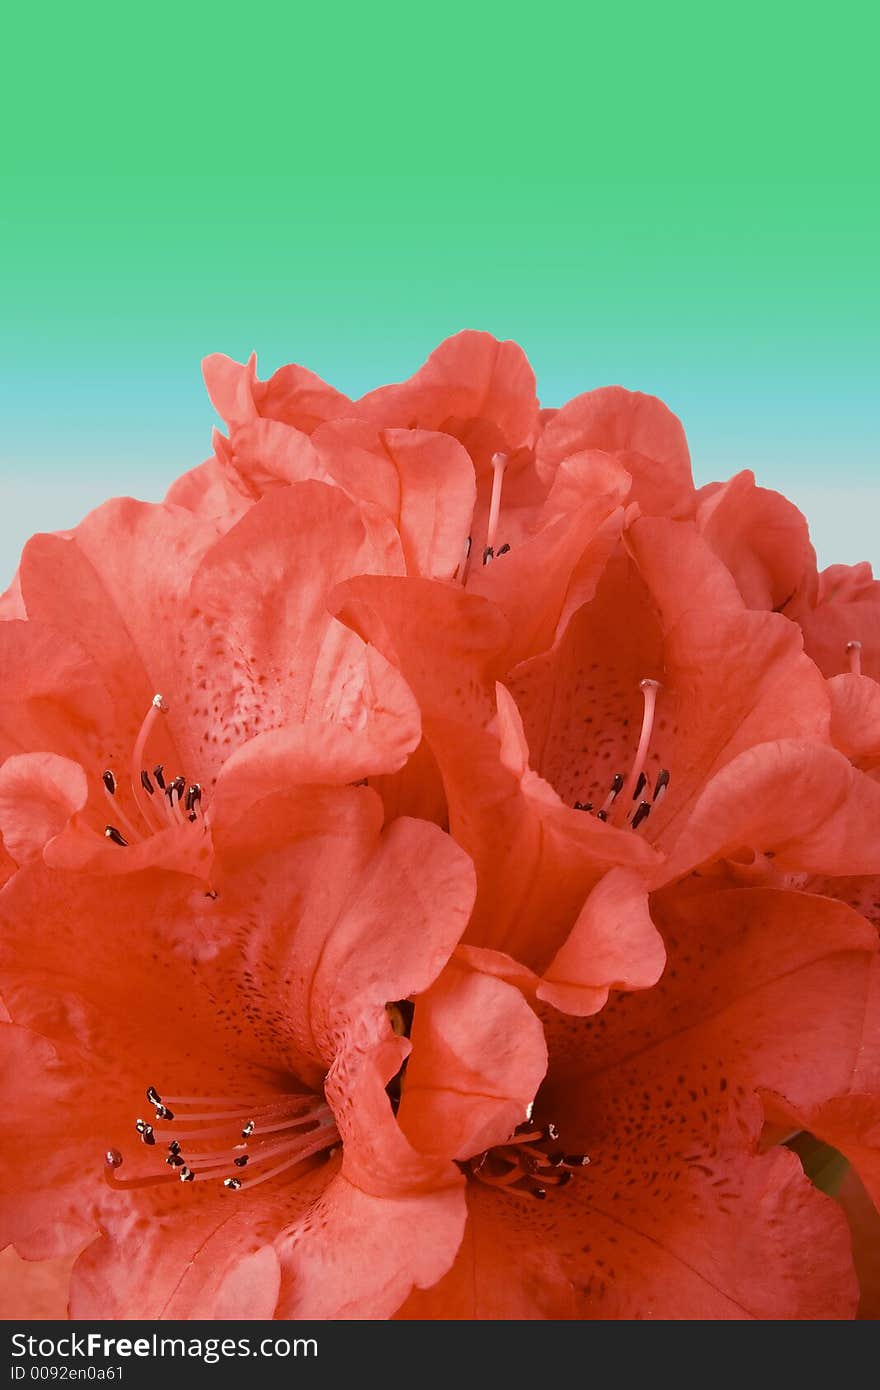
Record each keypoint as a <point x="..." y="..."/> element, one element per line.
<point x="499" y="464"/>
<point x="633" y="786"/>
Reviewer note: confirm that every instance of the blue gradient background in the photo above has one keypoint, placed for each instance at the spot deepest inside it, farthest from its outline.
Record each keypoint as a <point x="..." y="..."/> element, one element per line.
<point x="682" y="205"/>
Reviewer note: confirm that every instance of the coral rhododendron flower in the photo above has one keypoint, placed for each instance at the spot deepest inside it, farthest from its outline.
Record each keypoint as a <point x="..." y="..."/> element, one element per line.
<point x="201" y="1076"/>
<point x="765" y="542"/>
<point x="669" y="727"/>
<point x="189" y="665"/>
<point x="678" y="1214"/>
<point x="499" y="857"/>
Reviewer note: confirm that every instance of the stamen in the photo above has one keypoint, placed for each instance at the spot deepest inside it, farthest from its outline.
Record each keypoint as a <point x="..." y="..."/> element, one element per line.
<point x="854" y="652"/>
<point x="616" y="789"/>
<point x="288" y="1129"/>
<point x="328" y="1140"/>
<point x="113" y="834"/>
<point x="146" y="783"/>
<point x="583" y="805"/>
<point x="175" y="788"/>
<point x="173" y="794"/>
<point x="225" y="1158"/>
<point x="246" y="1102"/>
<point x="503" y="550"/>
<point x="649" y="689"/>
<point x="499" y="464"/>
<point x="522" y="1165"/>
<point x="488" y="554"/>
<point x="108" y="786"/>
<point x="661" y="784"/>
<point x="642" y="814"/>
<point x="640" y="786"/>
<point x="260" y="1125"/>
<point x="524" y="1137"/>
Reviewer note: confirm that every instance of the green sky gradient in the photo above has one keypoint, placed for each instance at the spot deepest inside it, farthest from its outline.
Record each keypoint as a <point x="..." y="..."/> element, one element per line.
<point x="680" y="201"/>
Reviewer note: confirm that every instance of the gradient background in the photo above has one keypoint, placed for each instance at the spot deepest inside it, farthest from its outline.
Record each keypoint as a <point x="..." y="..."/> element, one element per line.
<point x="681" y="202"/>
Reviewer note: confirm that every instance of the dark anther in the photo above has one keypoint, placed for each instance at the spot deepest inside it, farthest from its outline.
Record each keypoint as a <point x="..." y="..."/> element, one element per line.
<point x="146" y="783"/>
<point x="113" y="1158"/>
<point x="555" y="1159"/>
<point x="552" y="1131"/>
<point x="576" y="1160"/>
<point x="488" y="554"/>
<point x="241" y="1162"/>
<point x="212" y="894"/>
<point x="147" y="1135"/>
<point x="565" y="1178"/>
<point x="174" y="1147"/>
<point x="232" y="1183"/>
<point x="175" y="788"/>
<point x="109" y="781"/>
<point x="662" y="781"/>
<point x="601" y="815"/>
<point x="617" y="784"/>
<point x="174" y="1161"/>
<point x="502" y="551"/>
<point x="192" y="817"/>
<point x="640" y="786"/>
<point x="641" y="814"/>
<point x="248" y="1130"/>
<point x="153" y="1096"/>
<point x="186" y="1174"/>
<point x="193" y="796"/>
<point x="113" y="834"/>
<point x="583" y="805"/>
<point x="540" y="1193"/>
<point x="158" y="770"/>
<point x="163" y="1113"/>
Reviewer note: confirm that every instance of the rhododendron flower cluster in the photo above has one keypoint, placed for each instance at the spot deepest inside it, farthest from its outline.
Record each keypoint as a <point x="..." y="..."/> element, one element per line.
<point x="441" y="874"/>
